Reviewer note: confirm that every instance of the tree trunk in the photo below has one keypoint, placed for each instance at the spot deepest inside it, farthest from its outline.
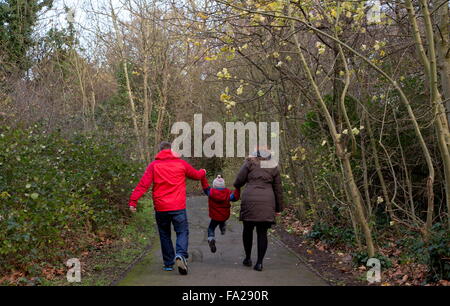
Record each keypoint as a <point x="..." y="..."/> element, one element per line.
<point x="378" y="169"/>
<point x="443" y="52"/>
<point x="441" y="123"/>
<point x="341" y="153"/>
<point x="128" y="84"/>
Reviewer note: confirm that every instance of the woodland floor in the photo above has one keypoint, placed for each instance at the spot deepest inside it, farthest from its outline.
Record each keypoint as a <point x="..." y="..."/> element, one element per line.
<point x="337" y="270"/>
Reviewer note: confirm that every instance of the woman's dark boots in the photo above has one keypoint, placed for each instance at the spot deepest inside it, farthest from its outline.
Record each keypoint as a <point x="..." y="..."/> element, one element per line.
<point x="258" y="267"/>
<point x="247" y="262"/>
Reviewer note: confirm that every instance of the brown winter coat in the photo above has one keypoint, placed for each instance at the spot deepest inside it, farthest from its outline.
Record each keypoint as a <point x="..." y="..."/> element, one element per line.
<point x="262" y="196"/>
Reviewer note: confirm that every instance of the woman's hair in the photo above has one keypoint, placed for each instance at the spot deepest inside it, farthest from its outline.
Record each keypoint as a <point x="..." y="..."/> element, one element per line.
<point x="260" y="154"/>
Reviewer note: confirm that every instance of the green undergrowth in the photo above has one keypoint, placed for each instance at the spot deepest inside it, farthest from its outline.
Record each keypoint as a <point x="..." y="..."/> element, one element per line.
<point x="105" y="266"/>
<point x="61" y="197"/>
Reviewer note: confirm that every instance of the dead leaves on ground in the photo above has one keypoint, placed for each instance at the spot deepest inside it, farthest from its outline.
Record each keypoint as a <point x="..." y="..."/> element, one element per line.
<point x="400" y="274"/>
<point x="52" y="272"/>
<point x="96" y="242"/>
<point x="12" y="278"/>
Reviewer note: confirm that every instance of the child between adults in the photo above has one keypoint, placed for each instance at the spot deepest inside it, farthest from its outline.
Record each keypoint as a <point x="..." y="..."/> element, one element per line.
<point x="219" y="198"/>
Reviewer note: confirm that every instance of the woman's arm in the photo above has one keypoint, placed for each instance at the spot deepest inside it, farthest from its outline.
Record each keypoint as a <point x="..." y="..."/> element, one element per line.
<point x="278" y="191"/>
<point x="241" y="177"/>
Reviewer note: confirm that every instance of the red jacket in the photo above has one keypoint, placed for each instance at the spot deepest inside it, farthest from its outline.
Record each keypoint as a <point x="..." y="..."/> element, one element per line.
<point x="168" y="174"/>
<point x="219" y="201"/>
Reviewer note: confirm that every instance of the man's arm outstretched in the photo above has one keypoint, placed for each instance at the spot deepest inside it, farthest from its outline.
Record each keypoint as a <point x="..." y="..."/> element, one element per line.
<point x="192" y="173"/>
<point x="141" y="188"/>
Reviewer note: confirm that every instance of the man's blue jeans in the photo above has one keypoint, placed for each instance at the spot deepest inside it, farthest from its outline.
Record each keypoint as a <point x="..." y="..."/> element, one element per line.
<point x="178" y="218"/>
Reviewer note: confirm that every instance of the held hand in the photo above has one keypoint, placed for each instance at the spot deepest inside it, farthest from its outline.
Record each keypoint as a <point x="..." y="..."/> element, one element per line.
<point x="204" y="182"/>
<point x="132" y="209"/>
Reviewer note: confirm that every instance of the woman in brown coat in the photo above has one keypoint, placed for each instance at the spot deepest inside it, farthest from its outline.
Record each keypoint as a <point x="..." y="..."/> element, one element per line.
<point x="261" y="200"/>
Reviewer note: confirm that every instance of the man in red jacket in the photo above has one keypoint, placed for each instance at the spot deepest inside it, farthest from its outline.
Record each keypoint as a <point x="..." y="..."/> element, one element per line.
<point x="168" y="175"/>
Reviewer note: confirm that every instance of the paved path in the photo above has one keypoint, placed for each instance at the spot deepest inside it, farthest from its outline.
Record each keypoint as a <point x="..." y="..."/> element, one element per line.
<point x="281" y="266"/>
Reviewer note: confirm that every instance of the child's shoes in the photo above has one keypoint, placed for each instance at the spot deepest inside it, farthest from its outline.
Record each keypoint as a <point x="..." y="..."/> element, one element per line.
<point x="212" y="245"/>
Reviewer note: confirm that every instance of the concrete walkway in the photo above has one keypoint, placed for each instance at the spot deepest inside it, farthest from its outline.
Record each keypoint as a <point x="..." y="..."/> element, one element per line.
<point x="281" y="266"/>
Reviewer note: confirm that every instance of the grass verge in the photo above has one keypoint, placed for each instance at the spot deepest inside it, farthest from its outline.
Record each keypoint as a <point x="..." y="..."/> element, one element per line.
<point x="102" y="265"/>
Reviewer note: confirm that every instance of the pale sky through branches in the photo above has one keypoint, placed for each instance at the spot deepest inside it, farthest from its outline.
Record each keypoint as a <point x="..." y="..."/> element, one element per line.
<point x="86" y="19"/>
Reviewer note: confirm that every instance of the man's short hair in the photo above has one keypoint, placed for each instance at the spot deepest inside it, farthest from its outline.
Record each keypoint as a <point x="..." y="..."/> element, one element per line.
<point x="165" y="145"/>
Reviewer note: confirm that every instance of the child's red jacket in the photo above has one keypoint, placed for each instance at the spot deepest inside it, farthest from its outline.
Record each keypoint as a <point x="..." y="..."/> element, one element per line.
<point x="219" y="201"/>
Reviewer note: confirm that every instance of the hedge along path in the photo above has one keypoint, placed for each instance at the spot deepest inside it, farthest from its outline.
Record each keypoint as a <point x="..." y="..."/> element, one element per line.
<point x="281" y="266"/>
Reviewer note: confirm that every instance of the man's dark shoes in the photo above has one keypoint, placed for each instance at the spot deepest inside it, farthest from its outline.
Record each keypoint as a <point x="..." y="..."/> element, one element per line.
<point x="212" y="245"/>
<point x="182" y="265"/>
<point x="223" y="230"/>
<point x="258" y="267"/>
<point x="247" y="262"/>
